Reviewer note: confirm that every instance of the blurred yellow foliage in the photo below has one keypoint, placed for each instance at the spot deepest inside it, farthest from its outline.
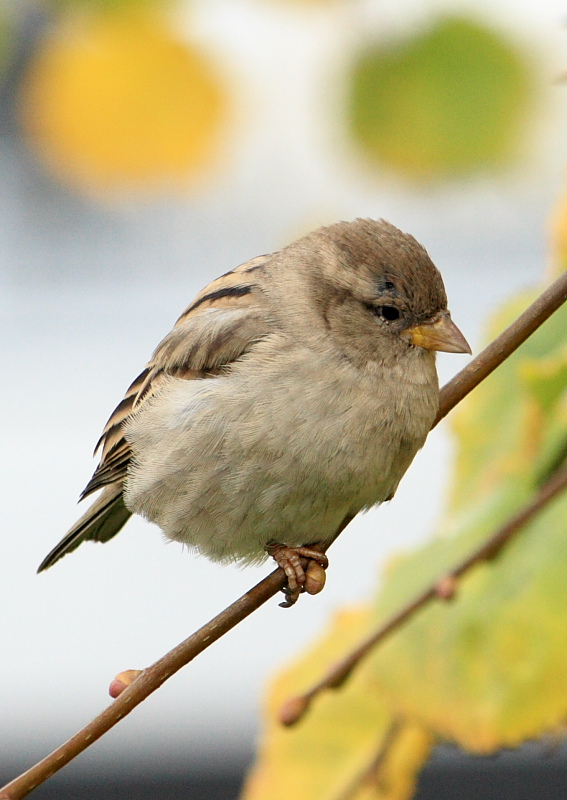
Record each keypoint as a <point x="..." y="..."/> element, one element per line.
<point x="559" y="237"/>
<point x="300" y="3"/>
<point x="115" y="100"/>
<point x="110" y="5"/>
<point x="324" y="757"/>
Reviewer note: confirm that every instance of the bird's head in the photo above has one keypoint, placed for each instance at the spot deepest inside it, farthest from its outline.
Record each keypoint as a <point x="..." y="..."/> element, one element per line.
<point x="381" y="294"/>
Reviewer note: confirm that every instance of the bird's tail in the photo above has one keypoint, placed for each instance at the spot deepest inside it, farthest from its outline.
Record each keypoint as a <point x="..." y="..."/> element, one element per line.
<point x="105" y="517"/>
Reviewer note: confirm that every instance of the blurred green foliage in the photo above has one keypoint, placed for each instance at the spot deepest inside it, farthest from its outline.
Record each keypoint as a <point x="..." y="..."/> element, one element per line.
<point x="442" y="103"/>
<point x="341" y="735"/>
<point x="5" y="41"/>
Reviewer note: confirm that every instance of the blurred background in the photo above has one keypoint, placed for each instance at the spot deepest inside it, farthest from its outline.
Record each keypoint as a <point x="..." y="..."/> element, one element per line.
<point x="146" y="147"/>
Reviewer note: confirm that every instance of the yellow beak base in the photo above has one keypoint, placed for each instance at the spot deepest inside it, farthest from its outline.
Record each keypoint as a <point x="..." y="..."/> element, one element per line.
<point x="439" y="334"/>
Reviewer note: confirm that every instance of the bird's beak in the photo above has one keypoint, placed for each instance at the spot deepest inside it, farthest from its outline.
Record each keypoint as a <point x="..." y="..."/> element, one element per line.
<point x="440" y="333"/>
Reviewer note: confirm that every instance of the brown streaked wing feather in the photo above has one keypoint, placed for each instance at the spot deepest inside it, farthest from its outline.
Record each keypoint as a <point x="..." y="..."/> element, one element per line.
<point x="189" y="352"/>
<point x="221" y="324"/>
<point x="226" y="290"/>
<point x="111" y="432"/>
<point x="112" y="468"/>
<point x="101" y="521"/>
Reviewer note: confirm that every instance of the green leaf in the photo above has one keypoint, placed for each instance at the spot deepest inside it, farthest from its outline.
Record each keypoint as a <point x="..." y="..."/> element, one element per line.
<point x="442" y="103"/>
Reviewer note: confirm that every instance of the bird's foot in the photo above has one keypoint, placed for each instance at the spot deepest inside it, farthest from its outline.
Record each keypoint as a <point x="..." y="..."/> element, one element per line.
<point x="310" y="579"/>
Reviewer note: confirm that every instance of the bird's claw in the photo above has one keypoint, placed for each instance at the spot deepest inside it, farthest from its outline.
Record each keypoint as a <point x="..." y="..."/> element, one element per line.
<point x="310" y="579"/>
<point x="291" y="597"/>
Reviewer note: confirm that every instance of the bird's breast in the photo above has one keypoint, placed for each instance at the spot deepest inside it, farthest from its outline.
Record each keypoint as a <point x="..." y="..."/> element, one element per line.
<point x="283" y="446"/>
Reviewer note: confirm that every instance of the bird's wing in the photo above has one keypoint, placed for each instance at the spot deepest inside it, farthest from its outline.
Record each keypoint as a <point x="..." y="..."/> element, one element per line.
<point x="223" y="322"/>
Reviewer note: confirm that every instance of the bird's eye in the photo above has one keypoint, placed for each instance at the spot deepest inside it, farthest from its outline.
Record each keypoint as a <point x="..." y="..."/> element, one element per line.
<point x="389" y="313"/>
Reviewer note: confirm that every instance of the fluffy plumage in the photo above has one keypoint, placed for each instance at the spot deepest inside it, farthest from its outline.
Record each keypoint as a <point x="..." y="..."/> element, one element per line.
<point x="289" y="395"/>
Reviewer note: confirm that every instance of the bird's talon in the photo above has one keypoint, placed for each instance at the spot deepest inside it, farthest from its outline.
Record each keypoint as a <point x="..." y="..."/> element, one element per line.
<point x="299" y="579"/>
<point x="291" y="597"/>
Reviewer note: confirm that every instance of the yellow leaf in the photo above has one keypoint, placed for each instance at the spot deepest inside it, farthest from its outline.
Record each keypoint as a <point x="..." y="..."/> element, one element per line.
<point x="326" y="753"/>
<point x="115" y="100"/>
<point x="396" y="776"/>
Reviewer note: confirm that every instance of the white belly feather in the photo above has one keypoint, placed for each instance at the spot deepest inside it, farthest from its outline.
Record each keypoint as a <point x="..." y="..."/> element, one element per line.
<point x="228" y="464"/>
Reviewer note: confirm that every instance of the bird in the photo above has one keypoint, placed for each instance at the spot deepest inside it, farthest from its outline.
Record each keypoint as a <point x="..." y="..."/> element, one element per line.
<point x="291" y="394"/>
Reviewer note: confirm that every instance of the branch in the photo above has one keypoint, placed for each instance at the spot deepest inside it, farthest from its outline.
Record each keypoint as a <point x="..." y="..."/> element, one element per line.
<point x="442" y="589"/>
<point x="370" y="774"/>
<point x="502" y="347"/>
<point x="153" y="677"/>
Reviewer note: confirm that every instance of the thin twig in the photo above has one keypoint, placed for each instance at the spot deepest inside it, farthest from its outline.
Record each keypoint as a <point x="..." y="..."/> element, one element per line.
<point x="153" y="677"/>
<point x="371" y="772"/>
<point x="443" y="589"/>
<point x="503" y="346"/>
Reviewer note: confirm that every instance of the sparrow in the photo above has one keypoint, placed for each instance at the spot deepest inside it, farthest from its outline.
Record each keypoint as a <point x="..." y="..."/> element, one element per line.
<point x="292" y="393"/>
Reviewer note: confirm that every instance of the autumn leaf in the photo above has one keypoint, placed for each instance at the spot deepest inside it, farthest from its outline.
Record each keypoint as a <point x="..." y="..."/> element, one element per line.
<point x="114" y="100"/>
<point x="323" y="757"/>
